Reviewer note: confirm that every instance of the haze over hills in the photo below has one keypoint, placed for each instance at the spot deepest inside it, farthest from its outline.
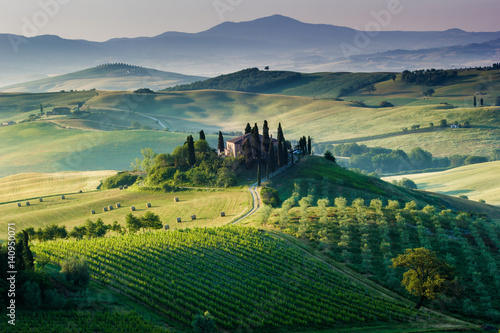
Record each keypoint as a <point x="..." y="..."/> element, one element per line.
<point x="106" y="77"/>
<point x="276" y="41"/>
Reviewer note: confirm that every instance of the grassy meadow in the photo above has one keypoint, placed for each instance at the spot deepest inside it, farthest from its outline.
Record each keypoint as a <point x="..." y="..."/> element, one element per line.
<point x="75" y="208"/>
<point x="476" y="181"/>
<point x="34" y="185"/>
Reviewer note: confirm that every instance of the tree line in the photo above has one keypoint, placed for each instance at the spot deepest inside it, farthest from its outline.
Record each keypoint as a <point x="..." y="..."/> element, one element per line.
<point x="428" y="77"/>
<point x="247" y="80"/>
<point x="384" y="160"/>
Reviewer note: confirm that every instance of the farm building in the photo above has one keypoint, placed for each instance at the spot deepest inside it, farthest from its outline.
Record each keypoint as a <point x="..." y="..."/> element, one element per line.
<point x="234" y="146"/>
<point x="7" y="123"/>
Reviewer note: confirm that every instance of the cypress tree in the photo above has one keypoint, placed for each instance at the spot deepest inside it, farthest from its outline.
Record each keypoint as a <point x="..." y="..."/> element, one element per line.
<point x="475" y="102"/>
<point x="309" y="145"/>
<point x="280" y="153"/>
<point x="265" y="137"/>
<point x="220" y="144"/>
<point x="258" y="173"/>
<point x="202" y="135"/>
<point x="285" y="152"/>
<point x="272" y="157"/>
<point x="248" y="129"/>
<point x="247" y="152"/>
<point x="27" y="256"/>
<point x="191" y="154"/>
<point x="481" y="102"/>
<point x="256" y="145"/>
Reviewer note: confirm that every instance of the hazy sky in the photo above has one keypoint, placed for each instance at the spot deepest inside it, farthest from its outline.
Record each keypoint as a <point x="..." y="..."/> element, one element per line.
<point x="104" y="19"/>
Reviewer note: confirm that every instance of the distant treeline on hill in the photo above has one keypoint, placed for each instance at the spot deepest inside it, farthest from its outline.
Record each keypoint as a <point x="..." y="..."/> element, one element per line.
<point x="383" y="160"/>
<point x="118" y="65"/>
<point x="247" y="80"/>
<point x="428" y="77"/>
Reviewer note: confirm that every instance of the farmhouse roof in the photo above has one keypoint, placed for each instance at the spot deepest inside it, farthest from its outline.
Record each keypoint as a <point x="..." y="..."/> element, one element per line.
<point x="240" y="139"/>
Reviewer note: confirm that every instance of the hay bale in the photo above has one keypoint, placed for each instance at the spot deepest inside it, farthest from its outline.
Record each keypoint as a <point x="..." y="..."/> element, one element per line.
<point x="148" y="205"/>
<point x="132" y="208"/>
<point x="63" y="197"/>
<point x="27" y="203"/>
<point x="18" y="204"/>
<point x="222" y="214"/>
<point x="176" y="199"/>
<point x="193" y="217"/>
<point x="41" y="199"/>
<point x="166" y="226"/>
<point x="179" y="220"/>
<point x="118" y="205"/>
<point x="110" y="207"/>
<point x="92" y="212"/>
<point x="104" y="209"/>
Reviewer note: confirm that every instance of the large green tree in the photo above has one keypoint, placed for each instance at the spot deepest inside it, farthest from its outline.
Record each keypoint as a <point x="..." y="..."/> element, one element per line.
<point x="426" y="275"/>
<point x="202" y="135"/>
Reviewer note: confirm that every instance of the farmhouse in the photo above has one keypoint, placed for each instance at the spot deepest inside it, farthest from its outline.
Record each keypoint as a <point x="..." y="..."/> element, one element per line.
<point x="234" y="146"/>
<point x="7" y="123"/>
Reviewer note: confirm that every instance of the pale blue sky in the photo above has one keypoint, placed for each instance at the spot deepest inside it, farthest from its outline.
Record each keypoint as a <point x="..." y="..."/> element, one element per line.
<point x="104" y="19"/>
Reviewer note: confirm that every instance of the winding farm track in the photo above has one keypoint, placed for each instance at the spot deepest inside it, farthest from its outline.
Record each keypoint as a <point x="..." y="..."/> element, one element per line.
<point x="255" y="205"/>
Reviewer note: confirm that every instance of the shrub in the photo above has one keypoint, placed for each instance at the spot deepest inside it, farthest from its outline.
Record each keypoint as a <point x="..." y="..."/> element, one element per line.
<point x="407" y="183"/>
<point x="120" y="179"/>
<point x="329" y="156"/>
<point x="76" y="270"/>
<point x="270" y="196"/>
<point x="358" y="104"/>
<point x="385" y="104"/>
<point x="463" y="196"/>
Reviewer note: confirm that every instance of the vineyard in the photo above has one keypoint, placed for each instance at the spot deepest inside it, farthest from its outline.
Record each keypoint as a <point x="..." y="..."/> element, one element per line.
<point x="367" y="237"/>
<point x="79" y="322"/>
<point x="244" y="277"/>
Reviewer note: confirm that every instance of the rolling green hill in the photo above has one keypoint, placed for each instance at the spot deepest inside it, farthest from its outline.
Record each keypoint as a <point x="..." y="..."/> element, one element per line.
<point x="34" y="185"/>
<point x="323" y="178"/>
<point x="326" y="120"/>
<point x="477" y="181"/>
<point x="44" y="147"/>
<point x="243" y="277"/>
<point x="105" y="77"/>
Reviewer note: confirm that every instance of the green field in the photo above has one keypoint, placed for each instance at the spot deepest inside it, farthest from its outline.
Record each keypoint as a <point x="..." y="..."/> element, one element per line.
<point x="75" y="209"/>
<point x="96" y="140"/>
<point x="44" y="147"/>
<point x="244" y="277"/>
<point x="34" y="185"/>
<point x="477" y="181"/>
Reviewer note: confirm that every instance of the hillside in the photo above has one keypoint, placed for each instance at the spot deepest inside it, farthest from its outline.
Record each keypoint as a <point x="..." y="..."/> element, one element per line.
<point x="105" y="77"/>
<point x="327" y="85"/>
<point x="477" y="181"/>
<point x="323" y="178"/>
<point x="44" y="147"/>
<point x="248" y="279"/>
<point x="35" y="185"/>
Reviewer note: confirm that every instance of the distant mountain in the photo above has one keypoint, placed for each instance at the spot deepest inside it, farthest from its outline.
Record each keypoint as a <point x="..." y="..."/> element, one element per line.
<point x="277" y="41"/>
<point x="106" y="77"/>
<point x="460" y="56"/>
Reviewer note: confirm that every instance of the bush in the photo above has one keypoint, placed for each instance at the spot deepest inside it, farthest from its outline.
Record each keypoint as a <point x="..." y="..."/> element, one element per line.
<point x="329" y="156"/>
<point x="407" y="183"/>
<point x="120" y="179"/>
<point x="358" y="104"/>
<point x="32" y="295"/>
<point x="270" y="196"/>
<point x="76" y="270"/>
<point x="204" y="323"/>
<point x="475" y="160"/>
<point x="385" y="104"/>
<point x="463" y="196"/>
